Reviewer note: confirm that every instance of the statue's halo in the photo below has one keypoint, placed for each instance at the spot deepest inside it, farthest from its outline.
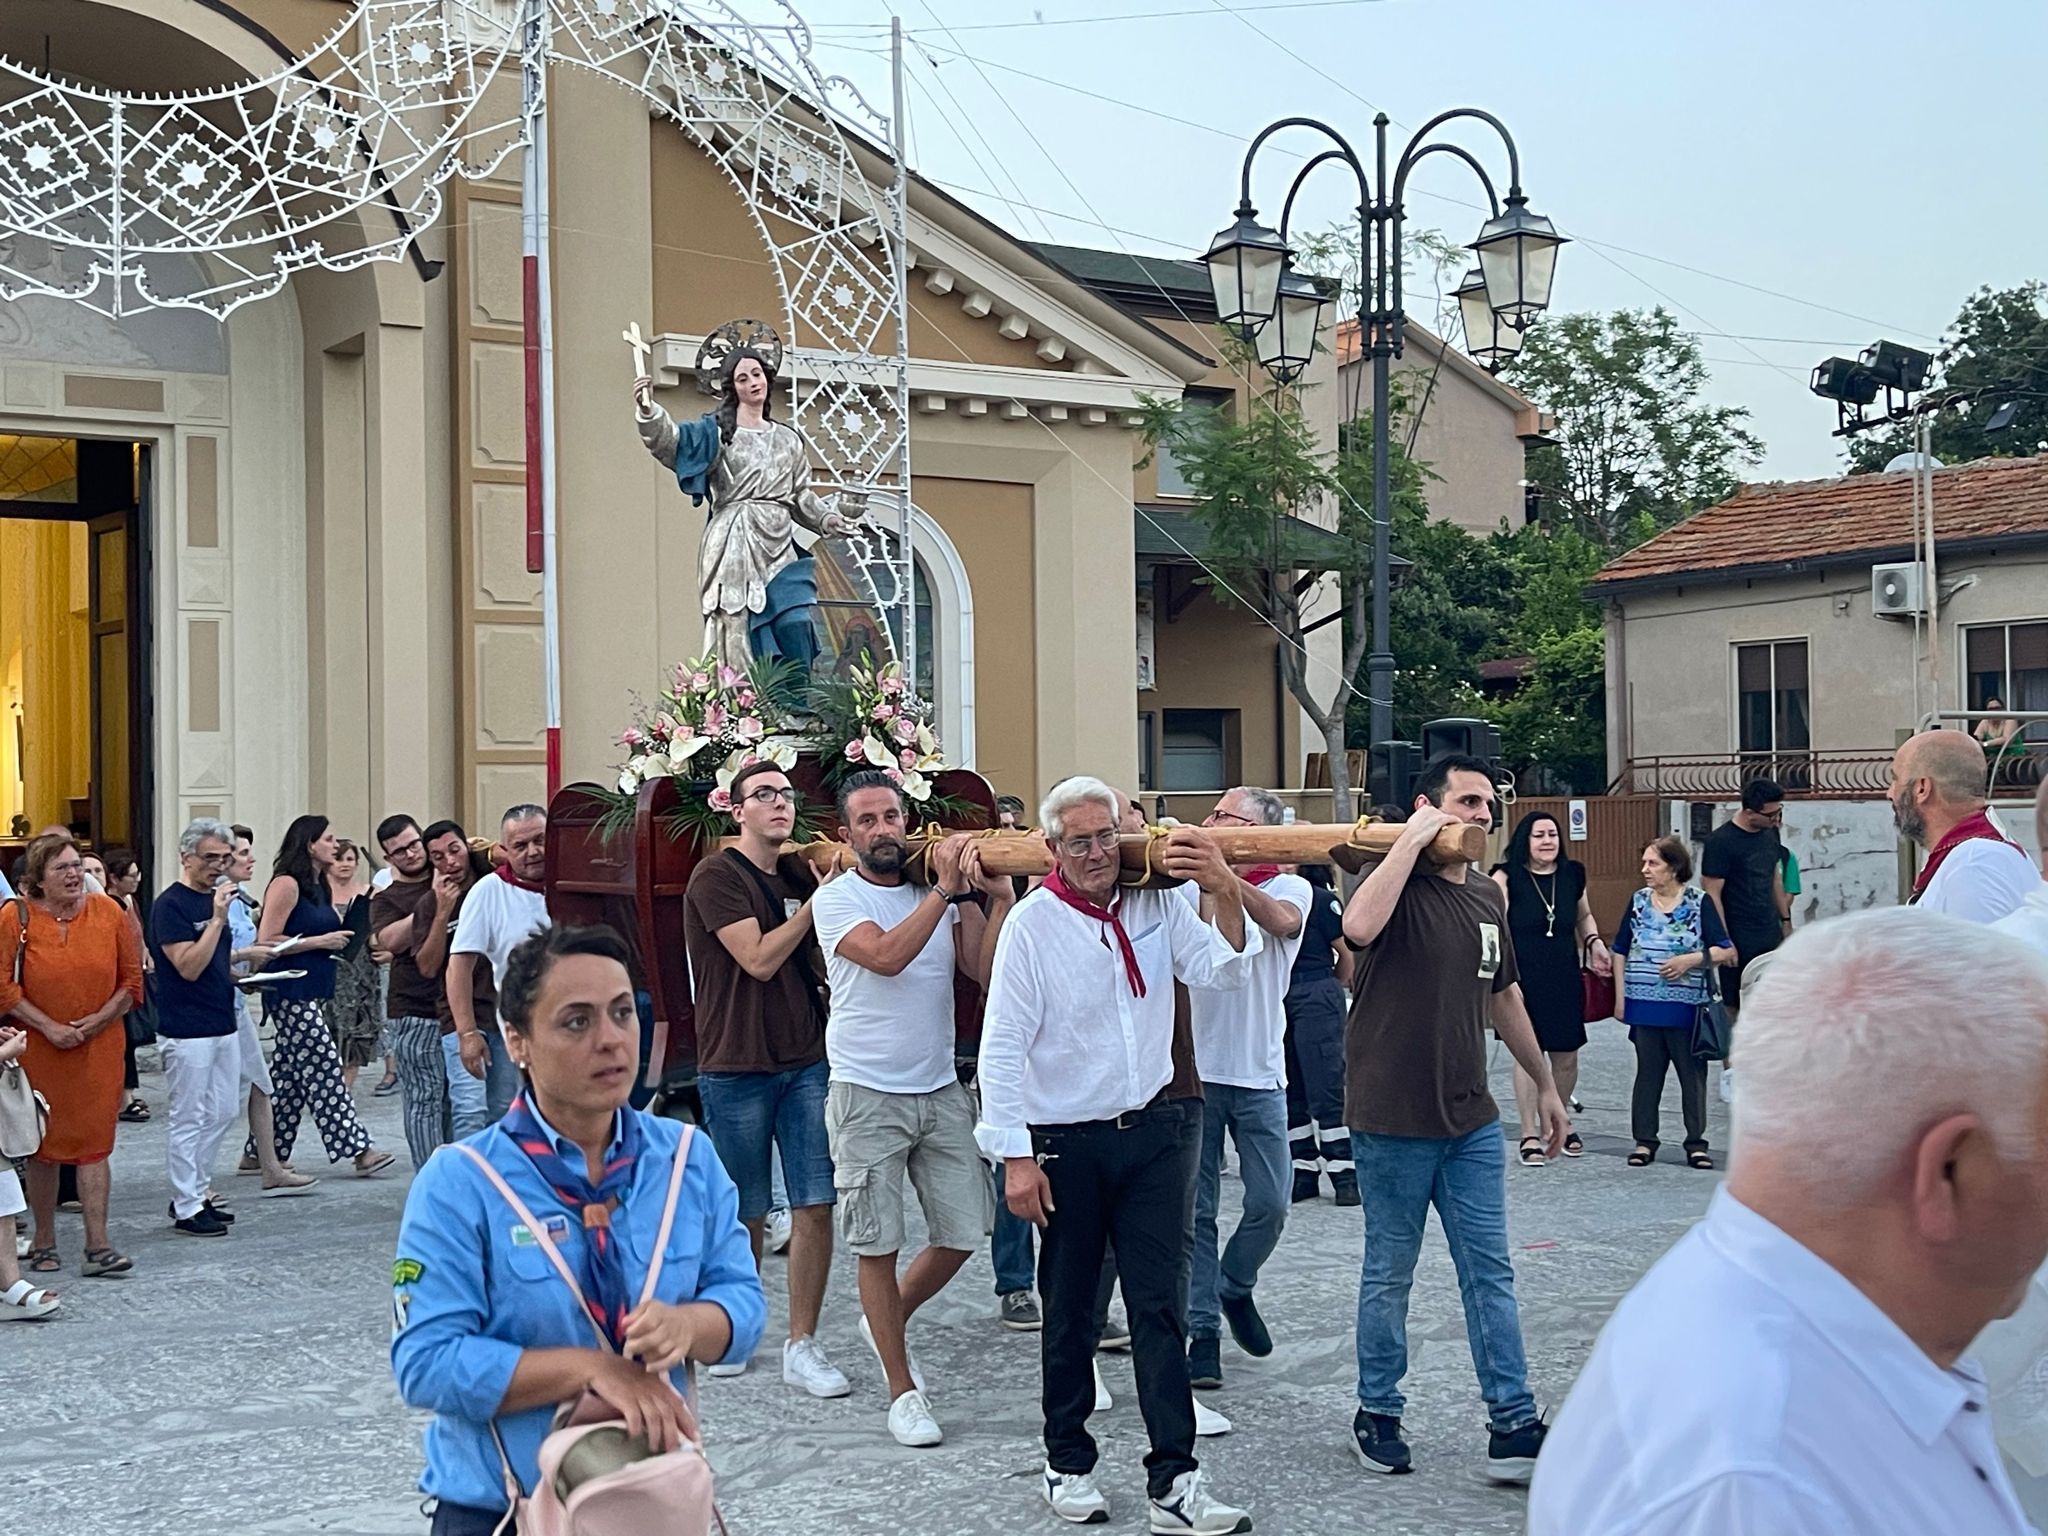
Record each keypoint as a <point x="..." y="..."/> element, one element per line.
<point x="753" y="335"/>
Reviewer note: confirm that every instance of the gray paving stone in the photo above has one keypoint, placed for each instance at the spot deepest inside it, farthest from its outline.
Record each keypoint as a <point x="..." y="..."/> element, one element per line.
<point x="241" y="1384"/>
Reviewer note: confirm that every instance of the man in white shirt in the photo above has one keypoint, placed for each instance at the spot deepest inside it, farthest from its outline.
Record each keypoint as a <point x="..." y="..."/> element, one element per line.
<point x="500" y="910"/>
<point x="1973" y="869"/>
<point x="1795" y="1362"/>
<point x="1241" y="1057"/>
<point x="1076" y="1058"/>
<point x="896" y="1106"/>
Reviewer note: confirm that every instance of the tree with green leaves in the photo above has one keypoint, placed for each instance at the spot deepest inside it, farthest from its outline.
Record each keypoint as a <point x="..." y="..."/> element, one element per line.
<point x="1999" y="338"/>
<point x="1634" y="437"/>
<point x="1250" y="478"/>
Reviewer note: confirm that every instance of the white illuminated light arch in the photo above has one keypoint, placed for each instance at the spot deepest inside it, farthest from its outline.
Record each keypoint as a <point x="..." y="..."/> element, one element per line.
<point x="338" y="158"/>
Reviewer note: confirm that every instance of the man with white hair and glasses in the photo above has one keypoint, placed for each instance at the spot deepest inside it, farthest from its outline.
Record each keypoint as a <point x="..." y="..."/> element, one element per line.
<point x="1796" y="1362"/>
<point x="1090" y="1141"/>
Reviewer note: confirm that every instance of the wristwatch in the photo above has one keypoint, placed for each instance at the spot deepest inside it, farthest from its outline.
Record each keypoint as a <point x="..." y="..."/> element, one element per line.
<point x="965" y="896"/>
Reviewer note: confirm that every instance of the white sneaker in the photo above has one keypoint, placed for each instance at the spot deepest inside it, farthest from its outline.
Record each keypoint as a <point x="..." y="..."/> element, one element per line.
<point x="911" y="1421"/>
<point x="804" y="1365"/>
<point x="1074" y="1496"/>
<point x="735" y="1368"/>
<point x="1103" y="1401"/>
<point x="1208" y="1421"/>
<point x="775" y="1232"/>
<point x="1187" y="1510"/>
<point x="916" y="1375"/>
<point x="1727" y="1085"/>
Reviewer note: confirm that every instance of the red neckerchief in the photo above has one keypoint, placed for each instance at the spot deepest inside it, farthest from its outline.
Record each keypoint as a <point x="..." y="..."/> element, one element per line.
<point x="504" y="873"/>
<point x="1259" y="874"/>
<point x="1969" y="829"/>
<point x="1109" y="916"/>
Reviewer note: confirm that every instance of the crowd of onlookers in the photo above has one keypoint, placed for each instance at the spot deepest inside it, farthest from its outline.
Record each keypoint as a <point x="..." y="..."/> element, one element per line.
<point x="343" y="963"/>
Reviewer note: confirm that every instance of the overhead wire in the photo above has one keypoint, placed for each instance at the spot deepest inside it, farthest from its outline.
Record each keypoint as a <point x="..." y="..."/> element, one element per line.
<point x="1040" y="23"/>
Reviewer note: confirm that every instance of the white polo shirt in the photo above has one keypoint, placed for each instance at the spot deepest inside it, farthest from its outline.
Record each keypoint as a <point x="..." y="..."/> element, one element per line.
<point x="1746" y="1388"/>
<point x="1241" y="1035"/>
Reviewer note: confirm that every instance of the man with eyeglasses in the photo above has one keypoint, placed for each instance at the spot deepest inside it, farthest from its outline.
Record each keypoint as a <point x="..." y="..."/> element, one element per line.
<point x="406" y="916"/>
<point x="196" y="1009"/>
<point x="503" y="909"/>
<point x="759" y="985"/>
<point x="1241" y="1053"/>
<point x="1091" y="1142"/>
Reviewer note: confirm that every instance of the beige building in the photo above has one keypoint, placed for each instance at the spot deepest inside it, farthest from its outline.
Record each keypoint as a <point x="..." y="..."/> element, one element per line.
<point x="1469" y="428"/>
<point x="278" y="562"/>
<point x="1787" y="630"/>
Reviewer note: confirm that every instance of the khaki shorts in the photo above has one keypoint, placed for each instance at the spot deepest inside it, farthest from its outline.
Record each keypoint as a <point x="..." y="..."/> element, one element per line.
<point x="878" y="1138"/>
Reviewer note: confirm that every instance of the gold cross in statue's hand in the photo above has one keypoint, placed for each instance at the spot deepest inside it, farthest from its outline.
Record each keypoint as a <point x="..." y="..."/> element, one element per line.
<point x="641" y="348"/>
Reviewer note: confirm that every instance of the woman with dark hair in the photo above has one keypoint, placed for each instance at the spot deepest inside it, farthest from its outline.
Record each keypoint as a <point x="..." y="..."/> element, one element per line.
<point x="355" y="1013"/>
<point x="304" y="932"/>
<point x="489" y="1334"/>
<point x="1554" y="933"/>
<point x="756" y="473"/>
<point x="123" y="878"/>
<point x="1670" y="936"/>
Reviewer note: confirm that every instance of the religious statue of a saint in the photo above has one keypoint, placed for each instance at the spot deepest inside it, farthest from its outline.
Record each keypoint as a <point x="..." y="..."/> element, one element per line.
<point x="759" y="592"/>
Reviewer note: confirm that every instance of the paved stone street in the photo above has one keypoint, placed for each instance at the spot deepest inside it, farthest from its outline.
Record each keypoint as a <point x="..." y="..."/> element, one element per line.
<point x="241" y="1384"/>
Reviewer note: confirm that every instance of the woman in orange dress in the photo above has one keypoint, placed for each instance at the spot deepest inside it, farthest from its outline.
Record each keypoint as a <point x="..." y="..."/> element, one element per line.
<point x="81" y="971"/>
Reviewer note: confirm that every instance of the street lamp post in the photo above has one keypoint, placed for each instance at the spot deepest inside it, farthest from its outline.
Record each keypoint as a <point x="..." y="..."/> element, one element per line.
<point x="1259" y="295"/>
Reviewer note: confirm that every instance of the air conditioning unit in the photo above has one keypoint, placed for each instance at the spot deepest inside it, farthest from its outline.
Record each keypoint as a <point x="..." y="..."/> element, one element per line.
<point x="1897" y="591"/>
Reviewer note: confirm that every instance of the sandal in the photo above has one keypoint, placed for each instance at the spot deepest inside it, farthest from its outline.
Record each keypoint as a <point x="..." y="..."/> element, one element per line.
<point x="1531" y="1152"/>
<point x="43" y="1261"/>
<point x="21" y="1301"/>
<point x="103" y="1262"/>
<point x="378" y="1162"/>
<point x="1573" y="1147"/>
<point x="1642" y="1157"/>
<point x="134" y="1111"/>
<point x="1702" y="1160"/>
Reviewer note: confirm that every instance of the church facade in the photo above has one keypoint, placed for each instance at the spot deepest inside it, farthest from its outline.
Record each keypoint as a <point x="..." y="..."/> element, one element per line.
<point x="278" y="562"/>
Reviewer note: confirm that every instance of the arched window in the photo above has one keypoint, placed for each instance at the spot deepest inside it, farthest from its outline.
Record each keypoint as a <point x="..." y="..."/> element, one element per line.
<point x="859" y="615"/>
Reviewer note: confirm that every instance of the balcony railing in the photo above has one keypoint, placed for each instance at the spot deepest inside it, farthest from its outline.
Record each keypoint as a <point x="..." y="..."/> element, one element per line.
<point x="1810" y="775"/>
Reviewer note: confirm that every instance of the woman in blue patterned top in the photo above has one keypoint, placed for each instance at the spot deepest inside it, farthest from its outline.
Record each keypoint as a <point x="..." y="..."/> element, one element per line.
<point x="1672" y="932"/>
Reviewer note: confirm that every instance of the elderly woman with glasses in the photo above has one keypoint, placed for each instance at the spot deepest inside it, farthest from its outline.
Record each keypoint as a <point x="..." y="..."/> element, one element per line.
<point x="70" y="976"/>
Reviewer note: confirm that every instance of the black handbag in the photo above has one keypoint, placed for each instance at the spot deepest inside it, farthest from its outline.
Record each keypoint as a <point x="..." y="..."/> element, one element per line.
<point x="1712" y="1033"/>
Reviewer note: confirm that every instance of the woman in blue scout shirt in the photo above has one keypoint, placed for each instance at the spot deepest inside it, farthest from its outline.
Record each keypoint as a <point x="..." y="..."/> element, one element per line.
<point x="483" y="1326"/>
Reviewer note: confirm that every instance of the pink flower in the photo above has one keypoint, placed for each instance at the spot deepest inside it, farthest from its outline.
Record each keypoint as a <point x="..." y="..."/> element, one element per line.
<point x="747" y="699"/>
<point x="727" y="677"/>
<point x="700" y="680"/>
<point x="905" y="732"/>
<point x="892" y="685"/>
<point x="720" y="799"/>
<point x="750" y="729"/>
<point x="853" y="751"/>
<point x="907" y="758"/>
<point x="631" y="738"/>
<point x="714" y="720"/>
<point x="662" y="726"/>
<point x="895" y="775"/>
<point x="885" y="711"/>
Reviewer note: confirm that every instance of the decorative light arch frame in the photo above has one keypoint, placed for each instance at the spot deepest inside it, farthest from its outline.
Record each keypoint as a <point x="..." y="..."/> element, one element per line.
<point x="337" y="158"/>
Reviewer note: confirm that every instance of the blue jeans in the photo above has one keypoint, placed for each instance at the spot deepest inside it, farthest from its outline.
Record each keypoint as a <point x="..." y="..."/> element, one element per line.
<point x="747" y="1114"/>
<point x="474" y="1103"/>
<point x="1010" y="1246"/>
<point x="1257" y="1121"/>
<point x="1465" y="1178"/>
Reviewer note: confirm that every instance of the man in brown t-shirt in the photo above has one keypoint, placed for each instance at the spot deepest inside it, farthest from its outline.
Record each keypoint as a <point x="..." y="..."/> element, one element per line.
<point x="1435" y="971"/>
<point x="409" y="922"/>
<point x="759" y="989"/>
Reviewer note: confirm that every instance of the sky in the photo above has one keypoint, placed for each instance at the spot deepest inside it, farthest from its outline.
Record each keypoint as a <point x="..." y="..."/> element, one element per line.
<point x="1792" y="179"/>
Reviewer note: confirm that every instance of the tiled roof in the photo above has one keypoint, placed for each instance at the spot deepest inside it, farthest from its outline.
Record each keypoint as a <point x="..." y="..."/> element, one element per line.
<point x="1787" y="523"/>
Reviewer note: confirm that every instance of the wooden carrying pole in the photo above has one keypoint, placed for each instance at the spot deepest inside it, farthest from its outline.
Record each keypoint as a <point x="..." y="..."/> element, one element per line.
<point x="1144" y="853"/>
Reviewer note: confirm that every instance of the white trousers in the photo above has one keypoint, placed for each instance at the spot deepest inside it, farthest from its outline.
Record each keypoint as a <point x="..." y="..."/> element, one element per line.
<point x="205" y="1080"/>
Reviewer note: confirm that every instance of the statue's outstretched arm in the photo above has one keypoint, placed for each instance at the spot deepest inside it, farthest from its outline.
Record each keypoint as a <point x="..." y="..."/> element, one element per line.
<point x="658" y="432"/>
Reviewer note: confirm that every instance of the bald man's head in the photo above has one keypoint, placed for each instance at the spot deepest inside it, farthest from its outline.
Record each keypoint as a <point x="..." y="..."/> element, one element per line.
<point x="1938" y="778"/>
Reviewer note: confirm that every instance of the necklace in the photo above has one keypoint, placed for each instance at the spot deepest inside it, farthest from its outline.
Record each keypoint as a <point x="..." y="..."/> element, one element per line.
<point x="1549" y="903"/>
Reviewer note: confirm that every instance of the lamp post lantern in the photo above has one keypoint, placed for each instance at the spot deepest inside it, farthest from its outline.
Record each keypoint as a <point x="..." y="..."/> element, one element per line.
<point x="1262" y="299"/>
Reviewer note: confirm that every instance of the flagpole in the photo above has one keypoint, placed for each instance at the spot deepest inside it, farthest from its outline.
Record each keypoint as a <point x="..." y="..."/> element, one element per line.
<point x="539" y="355"/>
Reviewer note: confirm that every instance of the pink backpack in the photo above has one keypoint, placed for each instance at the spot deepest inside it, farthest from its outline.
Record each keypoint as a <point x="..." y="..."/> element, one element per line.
<point x="671" y="1492"/>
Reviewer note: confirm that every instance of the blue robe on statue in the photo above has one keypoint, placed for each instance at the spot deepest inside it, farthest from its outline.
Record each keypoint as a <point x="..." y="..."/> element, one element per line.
<point x="786" y="629"/>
